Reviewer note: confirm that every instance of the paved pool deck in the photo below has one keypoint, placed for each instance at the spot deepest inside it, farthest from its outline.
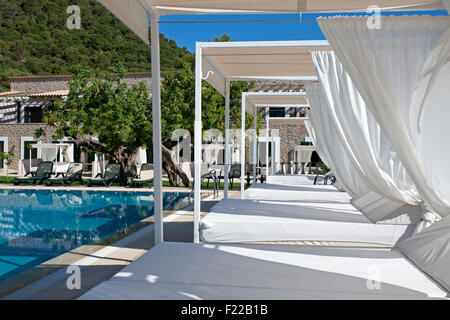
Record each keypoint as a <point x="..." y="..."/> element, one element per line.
<point x="93" y="188"/>
<point x="99" y="263"/>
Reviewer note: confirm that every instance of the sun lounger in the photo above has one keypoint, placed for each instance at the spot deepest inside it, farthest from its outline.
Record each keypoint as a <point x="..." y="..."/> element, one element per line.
<point x="145" y="176"/>
<point x="292" y="180"/>
<point x="305" y="223"/>
<point x="313" y="193"/>
<point x="42" y="173"/>
<point x="112" y="174"/>
<point x="230" y="272"/>
<point x="74" y="173"/>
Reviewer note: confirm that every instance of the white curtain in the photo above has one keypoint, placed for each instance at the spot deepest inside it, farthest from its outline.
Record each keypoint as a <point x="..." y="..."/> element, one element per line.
<point x="49" y="153"/>
<point x="321" y="149"/>
<point x="430" y="250"/>
<point x="447" y="4"/>
<point x="385" y="66"/>
<point x="331" y="143"/>
<point x="141" y="158"/>
<point x="71" y="153"/>
<point x="379" y="162"/>
<point x="310" y="130"/>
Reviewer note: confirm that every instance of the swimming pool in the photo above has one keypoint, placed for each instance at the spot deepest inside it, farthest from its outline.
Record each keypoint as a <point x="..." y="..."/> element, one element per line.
<point x="38" y="225"/>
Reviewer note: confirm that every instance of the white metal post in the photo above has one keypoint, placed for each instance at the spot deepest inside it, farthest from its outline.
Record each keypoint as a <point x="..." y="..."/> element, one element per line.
<point x="197" y="141"/>
<point x="255" y="144"/>
<point x="227" y="139"/>
<point x="243" y="146"/>
<point x="267" y="143"/>
<point x="272" y="148"/>
<point x="156" y="111"/>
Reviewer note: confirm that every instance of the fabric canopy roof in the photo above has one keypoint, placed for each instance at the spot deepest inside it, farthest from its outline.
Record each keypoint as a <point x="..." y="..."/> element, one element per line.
<point x="271" y="60"/>
<point x="134" y="13"/>
<point x="274" y="99"/>
<point x="233" y="6"/>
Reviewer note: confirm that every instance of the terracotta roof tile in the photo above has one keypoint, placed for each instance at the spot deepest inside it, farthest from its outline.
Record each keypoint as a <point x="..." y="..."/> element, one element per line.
<point x="58" y="93"/>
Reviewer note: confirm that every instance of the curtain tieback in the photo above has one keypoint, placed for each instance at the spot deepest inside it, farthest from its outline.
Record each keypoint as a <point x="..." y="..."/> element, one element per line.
<point x="428" y="218"/>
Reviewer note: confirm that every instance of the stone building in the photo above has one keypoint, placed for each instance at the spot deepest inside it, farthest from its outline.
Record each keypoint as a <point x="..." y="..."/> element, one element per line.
<point x="292" y="133"/>
<point x="22" y="109"/>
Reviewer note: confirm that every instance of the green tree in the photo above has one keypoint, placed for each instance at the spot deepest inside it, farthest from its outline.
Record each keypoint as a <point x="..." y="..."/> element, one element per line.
<point x="178" y="104"/>
<point x="7" y="158"/>
<point x="34" y="40"/>
<point x="102" y="106"/>
<point x="178" y="100"/>
<point x="223" y="38"/>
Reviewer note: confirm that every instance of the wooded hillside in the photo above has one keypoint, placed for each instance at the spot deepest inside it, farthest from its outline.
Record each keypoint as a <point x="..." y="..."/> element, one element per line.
<point x="35" y="40"/>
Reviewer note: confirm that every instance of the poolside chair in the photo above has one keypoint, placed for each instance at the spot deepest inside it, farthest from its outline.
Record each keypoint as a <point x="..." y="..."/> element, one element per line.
<point x="74" y="173"/>
<point x="42" y="173"/>
<point x="145" y="176"/>
<point x="330" y="178"/>
<point x="112" y="174"/>
<point x="206" y="173"/>
<point x="327" y="176"/>
<point x="235" y="173"/>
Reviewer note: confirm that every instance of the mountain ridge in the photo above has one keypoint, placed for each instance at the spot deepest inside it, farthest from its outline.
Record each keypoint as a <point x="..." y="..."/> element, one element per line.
<point x="35" y="41"/>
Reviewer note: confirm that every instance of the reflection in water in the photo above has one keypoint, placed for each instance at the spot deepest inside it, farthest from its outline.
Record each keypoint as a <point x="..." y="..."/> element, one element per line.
<point x="37" y="225"/>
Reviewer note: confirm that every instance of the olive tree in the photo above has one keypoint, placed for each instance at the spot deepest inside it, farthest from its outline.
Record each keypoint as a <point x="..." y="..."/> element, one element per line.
<point x="104" y="115"/>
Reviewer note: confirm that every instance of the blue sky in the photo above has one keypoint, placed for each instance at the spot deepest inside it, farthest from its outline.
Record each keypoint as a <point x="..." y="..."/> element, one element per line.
<point x="186" y="34"/>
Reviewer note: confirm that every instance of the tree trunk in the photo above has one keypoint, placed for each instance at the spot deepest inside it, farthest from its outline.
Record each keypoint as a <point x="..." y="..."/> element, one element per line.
<point x="169" y="164"/>
<point x="83" y="156"/>
<point x="127" y="162"/>
<point x="173" y="170"/>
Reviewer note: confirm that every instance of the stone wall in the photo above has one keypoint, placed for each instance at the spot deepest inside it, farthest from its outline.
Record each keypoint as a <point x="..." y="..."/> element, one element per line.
<point x="279" y="85"/>
<point x="292" y="132"/>
<point x="40" y="84"/>
<point x="14" y="133"/>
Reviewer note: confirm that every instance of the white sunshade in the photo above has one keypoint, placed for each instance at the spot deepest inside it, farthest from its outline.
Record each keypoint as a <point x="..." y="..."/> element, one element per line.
<point x="132" y="14"/>
<point x="135" y="13"/>
<point x="49" y="145"/>
<point x="257" y="6"/>
<point x="270" y="60"/>
<point x="273" y="99"/>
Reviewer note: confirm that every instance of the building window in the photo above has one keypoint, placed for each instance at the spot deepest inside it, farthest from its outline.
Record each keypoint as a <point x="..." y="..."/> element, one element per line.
<point x="29" y="153"/>
<point x="34" y="115"/>
<point x="277" y="112"/>
<point x="291" y="112"/>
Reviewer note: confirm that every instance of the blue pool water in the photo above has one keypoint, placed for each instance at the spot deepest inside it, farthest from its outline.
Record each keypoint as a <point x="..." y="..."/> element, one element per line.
<point x="37" y="225"/>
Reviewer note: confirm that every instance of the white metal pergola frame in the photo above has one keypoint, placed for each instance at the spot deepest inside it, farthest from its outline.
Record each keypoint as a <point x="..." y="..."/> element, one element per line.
<point x="131" y="13"/>
<point x="203" y="74"/>
<point x="126" y="11"/>
<point x="246" y="101"/>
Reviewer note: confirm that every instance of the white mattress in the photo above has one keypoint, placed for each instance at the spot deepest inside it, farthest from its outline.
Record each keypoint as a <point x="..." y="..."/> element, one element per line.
<point x="298" y="179"/>
<point x="183" y="271"/>
<point x="252" y="221"/>
<point x="305" y="193"/>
